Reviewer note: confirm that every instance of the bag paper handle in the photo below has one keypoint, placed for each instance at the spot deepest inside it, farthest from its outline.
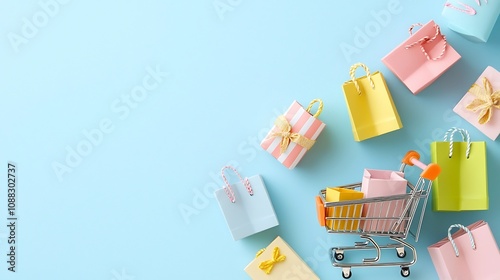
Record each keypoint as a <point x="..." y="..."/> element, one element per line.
<point x="320" y="107"/>
<point x="465" y="137"/>
<point x="352" y="73"/>
<point x="466" y="9"/>
<point x="227" y="187"/>
<point x="424" y="40"/>
<point x="471" y="238"/>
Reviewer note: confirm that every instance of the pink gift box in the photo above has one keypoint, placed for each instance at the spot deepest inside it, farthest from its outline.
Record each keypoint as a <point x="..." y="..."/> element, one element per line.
<point x="413" y="67"/>
<point x="492" y="127"/>
<point x="303" y="123"/>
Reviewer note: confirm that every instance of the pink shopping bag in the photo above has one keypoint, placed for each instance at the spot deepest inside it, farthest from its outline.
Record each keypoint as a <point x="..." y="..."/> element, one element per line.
<point x="378" y="183"/>
<point x="480" y="105"/>
<point x="422" y="58"/>
<point x="469" y="254"/>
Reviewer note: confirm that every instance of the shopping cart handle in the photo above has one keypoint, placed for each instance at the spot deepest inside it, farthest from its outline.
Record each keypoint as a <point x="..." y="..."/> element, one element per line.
<point x="430" y="171"/>
<point x="320" y="209"/>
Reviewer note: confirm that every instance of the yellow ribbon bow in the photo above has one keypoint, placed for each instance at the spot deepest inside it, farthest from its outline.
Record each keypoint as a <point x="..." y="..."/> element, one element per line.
<point x="286" y="136"/>
<point x="268" y="265"/>
<point x="485" y="100"/>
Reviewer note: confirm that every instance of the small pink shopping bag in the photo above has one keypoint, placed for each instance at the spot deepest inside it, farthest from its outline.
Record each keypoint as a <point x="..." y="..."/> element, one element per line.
<point x="480" y="105"/>
<point x="469" y="254"/>
<point x="422" y="58"/>
<point x="294" y="133"/>
<point x="378" y="183"/>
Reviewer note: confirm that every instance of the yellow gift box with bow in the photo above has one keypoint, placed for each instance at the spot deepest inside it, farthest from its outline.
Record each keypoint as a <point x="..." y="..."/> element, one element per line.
<point x="279" y="261"/>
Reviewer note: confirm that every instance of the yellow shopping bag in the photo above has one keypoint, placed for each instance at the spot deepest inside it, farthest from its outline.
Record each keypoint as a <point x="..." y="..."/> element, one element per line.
<point x="369" y="103"/>
<point x="343" y="214"/>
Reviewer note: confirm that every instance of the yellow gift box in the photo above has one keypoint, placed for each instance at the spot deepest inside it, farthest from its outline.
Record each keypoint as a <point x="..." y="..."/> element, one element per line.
<point x="343" y="213"/>
<point x="279" y="261"/>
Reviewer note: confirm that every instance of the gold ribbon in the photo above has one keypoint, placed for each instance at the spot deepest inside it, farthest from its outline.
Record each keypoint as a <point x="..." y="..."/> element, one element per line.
<point x="485" y="100"/>
<point x="286" y="136"/>
<point x="267" y="266"/>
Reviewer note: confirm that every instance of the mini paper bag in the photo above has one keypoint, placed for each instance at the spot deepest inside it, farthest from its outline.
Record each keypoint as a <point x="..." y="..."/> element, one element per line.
<point x="472" y="19"/>
<point x="422" y="58"/>
<point x="369" y="103"/>
<point x="279" y="261"/>
<point x="469" y="254"/>
<point x="246" y="206"/>
<point x="377" y="183"/>
<point x="480" y="105"/>
<point x="463" y="182"/>
<point x="294" y="133"/>
<point x="343" y="212"/>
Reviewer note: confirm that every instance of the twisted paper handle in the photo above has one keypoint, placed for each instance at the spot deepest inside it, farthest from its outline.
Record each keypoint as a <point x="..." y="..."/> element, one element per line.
<point x="466" y="9"/>
<point x="227" y="188"/>
<point x="465" y="137"/>
<point x="426" y="39"/>
<point x="320" y="107"/>
<point x="352" y="73"/>
<point x="471" y="238"/>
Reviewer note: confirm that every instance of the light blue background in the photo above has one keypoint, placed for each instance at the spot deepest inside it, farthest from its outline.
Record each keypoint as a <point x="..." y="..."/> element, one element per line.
<point x="118" y="213"/>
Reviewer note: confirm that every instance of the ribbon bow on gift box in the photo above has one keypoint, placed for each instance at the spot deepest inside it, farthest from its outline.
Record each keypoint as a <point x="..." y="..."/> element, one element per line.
<point x="267" y="266"/>
<point x="486" y="100"/>
<point x="287" y="136"/>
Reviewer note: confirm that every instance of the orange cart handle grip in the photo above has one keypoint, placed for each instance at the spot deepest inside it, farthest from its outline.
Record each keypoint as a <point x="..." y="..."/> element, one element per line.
<point x="430" y="171"/>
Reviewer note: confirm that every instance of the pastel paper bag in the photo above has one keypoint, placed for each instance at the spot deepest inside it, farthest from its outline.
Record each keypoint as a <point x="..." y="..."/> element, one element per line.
<point x="422" y="58"/>
<point x="294" y="133"/>
<point x="474" y="19"/>
<point x="369" y="102"/>
<point x="480" y="105"/>
<point x="379" y="183"/>
<point x="463" y="182"/>
<point x="279" y="261"/>
<point x="343" y="213"/>
<point x="246" y="206"/>
<point x="469" y="254"/>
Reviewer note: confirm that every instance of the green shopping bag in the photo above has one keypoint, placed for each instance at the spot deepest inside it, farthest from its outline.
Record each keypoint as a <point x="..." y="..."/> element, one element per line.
<point x="463" y="182"/>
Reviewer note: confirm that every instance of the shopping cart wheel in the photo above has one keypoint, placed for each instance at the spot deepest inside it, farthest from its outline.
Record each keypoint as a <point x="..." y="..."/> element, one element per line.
<point x="405" y="271"/>
<point x="339" y="256"/>
<point x="401" y="252"/>
<point x="346" y="272"/>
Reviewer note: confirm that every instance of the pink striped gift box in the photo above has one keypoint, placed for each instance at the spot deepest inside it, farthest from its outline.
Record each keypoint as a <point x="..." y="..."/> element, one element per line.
<point x="302" y="122"/>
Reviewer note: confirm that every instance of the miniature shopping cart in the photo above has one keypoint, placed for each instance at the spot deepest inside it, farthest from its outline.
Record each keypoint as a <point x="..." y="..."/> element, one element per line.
<point x="389" y="216"/>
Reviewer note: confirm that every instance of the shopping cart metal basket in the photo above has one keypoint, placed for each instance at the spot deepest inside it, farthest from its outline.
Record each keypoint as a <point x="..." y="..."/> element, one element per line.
<point x="390" y="216"/>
